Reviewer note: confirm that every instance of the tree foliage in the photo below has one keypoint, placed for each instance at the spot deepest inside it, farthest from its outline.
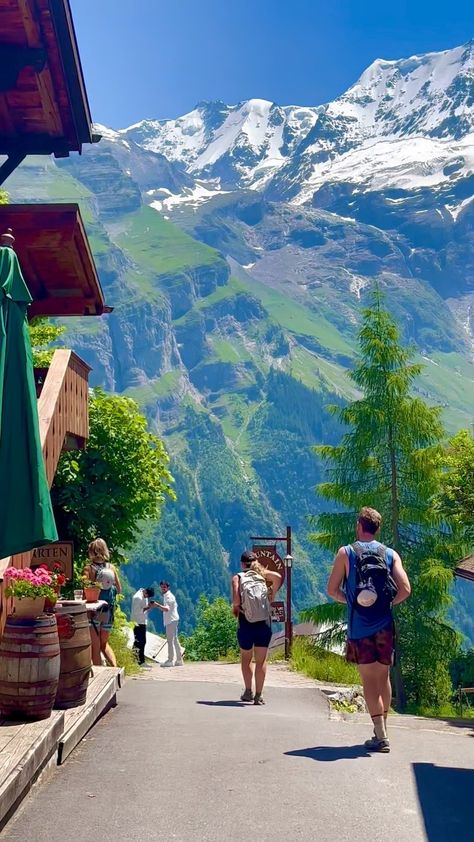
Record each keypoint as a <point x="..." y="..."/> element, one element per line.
<point x="43" y="333"/>
<point x="456" y="497"/>
<point x="215" y="634"/>
<point x="118" y="481"/>
<point x="391" y="457"/>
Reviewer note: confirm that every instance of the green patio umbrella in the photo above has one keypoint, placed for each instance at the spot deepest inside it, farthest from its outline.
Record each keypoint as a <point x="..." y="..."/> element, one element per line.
<point x="26" y="515"/>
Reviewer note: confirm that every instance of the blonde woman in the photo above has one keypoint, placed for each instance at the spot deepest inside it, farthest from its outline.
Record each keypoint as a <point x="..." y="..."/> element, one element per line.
<point x="253" y="590"/>
<point x="101" y="623"/>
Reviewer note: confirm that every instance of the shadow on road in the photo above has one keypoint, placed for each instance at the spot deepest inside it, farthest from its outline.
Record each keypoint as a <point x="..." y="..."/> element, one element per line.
<point x="224" y="703"/>
<point x="445" y="796"/>
<point x="327" y="754"/>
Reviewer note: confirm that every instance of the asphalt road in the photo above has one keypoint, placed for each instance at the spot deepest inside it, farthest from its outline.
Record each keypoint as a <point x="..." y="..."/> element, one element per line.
<point x="184" y="761"/>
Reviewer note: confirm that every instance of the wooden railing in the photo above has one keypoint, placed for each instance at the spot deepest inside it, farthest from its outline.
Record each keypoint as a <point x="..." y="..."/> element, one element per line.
<point x="63" y="419"/>
<point x="63" y="408"/>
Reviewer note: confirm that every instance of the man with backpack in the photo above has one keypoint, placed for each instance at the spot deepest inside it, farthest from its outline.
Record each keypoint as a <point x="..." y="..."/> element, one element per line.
<point x="253" y="591"/>
<point x="370" y="578"/>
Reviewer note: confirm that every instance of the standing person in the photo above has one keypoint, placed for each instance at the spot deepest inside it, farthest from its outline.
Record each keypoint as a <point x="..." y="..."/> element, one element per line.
<point x="140" y="607"/>
<point x="105" y="617"/>
<point x="170" y="620"/>
<point x="370" y="578"/>
<point x="252" y="593"/>
<point x="99" y="560"/>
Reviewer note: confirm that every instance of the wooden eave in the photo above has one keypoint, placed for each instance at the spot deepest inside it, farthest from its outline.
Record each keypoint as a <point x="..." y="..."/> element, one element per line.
<point x="465" y="568"/>
<point x="43" y="102"/>
<point x="55" y="258"/>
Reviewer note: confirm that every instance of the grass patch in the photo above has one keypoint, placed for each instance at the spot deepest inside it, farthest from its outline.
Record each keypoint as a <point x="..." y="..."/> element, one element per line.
<point x="157" y="244"/>
<point x="320" y="664"/>
<point x="227" y="352"/>
<point x="118" y="641"/>
<point x="149" y="392"/>
<point x="448" y="380"/>
<point x="230" y="290"/>
<point x="448" y="711"/>
<point x="299" y="319"/>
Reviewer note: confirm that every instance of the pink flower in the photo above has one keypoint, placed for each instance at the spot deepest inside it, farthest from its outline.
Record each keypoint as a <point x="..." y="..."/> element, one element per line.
<point x="11" y="573"/>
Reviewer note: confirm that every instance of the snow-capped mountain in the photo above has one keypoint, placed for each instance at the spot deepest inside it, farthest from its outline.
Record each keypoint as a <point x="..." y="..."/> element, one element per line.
<point x="406" y="124"/>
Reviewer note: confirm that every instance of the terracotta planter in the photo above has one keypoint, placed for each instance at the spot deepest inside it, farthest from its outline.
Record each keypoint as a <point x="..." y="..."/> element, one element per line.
<point x="28" y="606"/>
<point x="91" y="594"/>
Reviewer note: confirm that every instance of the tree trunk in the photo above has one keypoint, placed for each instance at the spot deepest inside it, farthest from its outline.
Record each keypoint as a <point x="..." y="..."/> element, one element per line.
<point x="395" y="514"/>
<point x="394" y="506"/>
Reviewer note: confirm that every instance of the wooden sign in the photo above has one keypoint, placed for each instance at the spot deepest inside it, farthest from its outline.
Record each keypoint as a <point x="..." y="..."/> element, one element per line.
<point x="278" y="612"/>
<point x="61" y="552"/>
<point x="268" y="557"/>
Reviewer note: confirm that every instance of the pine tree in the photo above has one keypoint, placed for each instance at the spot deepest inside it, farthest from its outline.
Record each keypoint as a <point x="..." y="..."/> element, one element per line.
<point x="390" y="457"/>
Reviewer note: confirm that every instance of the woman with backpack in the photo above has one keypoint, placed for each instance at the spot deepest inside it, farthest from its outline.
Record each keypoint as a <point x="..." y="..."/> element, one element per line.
<point x="253" y="591"/>
<point x="101" y="624"/>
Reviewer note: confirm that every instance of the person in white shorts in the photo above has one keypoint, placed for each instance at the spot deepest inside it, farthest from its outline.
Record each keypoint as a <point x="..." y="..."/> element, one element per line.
<point x="169" y="607"/>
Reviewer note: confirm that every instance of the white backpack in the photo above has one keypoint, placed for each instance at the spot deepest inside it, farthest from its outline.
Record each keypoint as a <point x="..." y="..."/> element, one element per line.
<point x="254" y="596"/>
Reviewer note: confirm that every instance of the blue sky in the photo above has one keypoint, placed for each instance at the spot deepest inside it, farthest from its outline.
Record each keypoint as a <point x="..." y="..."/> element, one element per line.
<point x="151" y="58"/>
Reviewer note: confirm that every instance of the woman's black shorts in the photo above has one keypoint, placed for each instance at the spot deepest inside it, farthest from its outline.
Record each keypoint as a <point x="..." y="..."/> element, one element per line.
<point x="253" y="634"/>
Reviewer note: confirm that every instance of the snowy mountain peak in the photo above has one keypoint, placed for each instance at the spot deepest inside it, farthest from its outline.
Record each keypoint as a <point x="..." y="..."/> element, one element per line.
<point x="403" y="122"/>
<point x="432" y="94"/>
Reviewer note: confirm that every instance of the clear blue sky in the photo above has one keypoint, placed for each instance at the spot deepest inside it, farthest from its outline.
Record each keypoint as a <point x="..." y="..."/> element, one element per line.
<point x="158" y="58"/>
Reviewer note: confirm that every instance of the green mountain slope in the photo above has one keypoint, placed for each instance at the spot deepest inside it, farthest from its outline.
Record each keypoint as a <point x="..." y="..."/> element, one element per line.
<point x="234" y="329"/>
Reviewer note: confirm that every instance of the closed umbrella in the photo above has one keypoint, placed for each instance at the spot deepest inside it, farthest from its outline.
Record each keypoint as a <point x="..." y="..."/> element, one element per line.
<point x="26" y="515"/>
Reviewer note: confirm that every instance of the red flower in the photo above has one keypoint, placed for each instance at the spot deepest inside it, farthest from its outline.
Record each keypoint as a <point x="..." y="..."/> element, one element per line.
<point x="43" y="566"/>
<point x="61" y="579"/>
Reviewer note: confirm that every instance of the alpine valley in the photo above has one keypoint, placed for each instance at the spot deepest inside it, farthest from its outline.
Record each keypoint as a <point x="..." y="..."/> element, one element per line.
<point x="237" y="245"/>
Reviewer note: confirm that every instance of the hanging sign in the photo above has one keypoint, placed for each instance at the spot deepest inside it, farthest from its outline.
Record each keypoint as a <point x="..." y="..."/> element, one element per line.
<point x="60" y="553"/>
<point x="278" y="612"/>
<point x="269" y="557"/>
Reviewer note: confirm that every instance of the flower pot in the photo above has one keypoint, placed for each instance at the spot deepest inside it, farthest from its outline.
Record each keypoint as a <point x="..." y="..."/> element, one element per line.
<point x="49" y="605"/>
<point x="28" y="606"/>
<point x="91" y="594"/>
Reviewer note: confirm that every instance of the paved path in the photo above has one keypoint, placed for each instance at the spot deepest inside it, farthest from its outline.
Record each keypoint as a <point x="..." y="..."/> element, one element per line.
<point x="181" y="759"/>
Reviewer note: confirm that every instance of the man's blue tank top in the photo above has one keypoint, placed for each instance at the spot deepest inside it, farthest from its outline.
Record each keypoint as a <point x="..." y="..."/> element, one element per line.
<point x="360" y="624"/>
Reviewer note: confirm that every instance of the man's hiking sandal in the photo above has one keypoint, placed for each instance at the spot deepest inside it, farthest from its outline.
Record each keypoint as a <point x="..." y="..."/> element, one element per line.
<point x="378" y="745"/>
<point x="247" y="696"/>
<point x="258" y="700"/>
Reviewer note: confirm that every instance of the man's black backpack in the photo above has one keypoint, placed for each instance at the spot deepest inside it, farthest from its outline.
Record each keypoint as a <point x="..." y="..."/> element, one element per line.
<point x="373" y="575"/>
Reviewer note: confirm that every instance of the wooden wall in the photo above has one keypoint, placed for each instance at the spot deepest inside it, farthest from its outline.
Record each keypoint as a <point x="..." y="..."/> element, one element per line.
<point x="63" y="422"/>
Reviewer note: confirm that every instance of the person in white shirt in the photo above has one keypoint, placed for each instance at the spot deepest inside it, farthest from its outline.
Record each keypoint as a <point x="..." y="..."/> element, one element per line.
<point x="140" y="606"/>
<point x="170" y="620"/>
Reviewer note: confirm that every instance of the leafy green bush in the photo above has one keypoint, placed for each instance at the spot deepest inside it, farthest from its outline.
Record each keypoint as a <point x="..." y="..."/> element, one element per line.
<point x="215" y="635"/>
<point x="120" y="480"/>
<point x="118" y="641"/>
<point x="320" y="664"/>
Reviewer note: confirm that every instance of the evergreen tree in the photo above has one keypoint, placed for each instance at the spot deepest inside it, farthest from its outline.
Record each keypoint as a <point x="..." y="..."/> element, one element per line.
<point x="390" y="457"/>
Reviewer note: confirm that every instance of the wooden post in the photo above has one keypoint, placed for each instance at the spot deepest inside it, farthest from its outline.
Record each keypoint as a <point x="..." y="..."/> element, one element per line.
<point x="289" y="620"/>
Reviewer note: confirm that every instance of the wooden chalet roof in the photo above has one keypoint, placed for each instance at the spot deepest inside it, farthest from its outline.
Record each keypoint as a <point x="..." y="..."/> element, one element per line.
<point x="43" y="101"/>
<point x="55" y="258"/>
<point x="465" y="568"/>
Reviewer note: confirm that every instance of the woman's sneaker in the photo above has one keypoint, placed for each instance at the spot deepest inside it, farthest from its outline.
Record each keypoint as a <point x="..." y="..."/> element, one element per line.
<point x="378" y="745"/>
<point x="258" y="699"/>
<point x="167" y="664"/>
<point x="247" y="696"/>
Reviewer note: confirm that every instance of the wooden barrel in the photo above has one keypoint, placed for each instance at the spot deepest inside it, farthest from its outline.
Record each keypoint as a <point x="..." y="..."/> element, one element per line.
<point x="29" y="667"/>
<point x="76" y="659"/>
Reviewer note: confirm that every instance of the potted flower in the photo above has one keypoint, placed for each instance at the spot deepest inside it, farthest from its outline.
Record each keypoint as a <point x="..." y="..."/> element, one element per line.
<point x="29" y="589"/>
<point x="91" y="589"/>
<point x="57" y="580"/>
<point x="57" y="576"/>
